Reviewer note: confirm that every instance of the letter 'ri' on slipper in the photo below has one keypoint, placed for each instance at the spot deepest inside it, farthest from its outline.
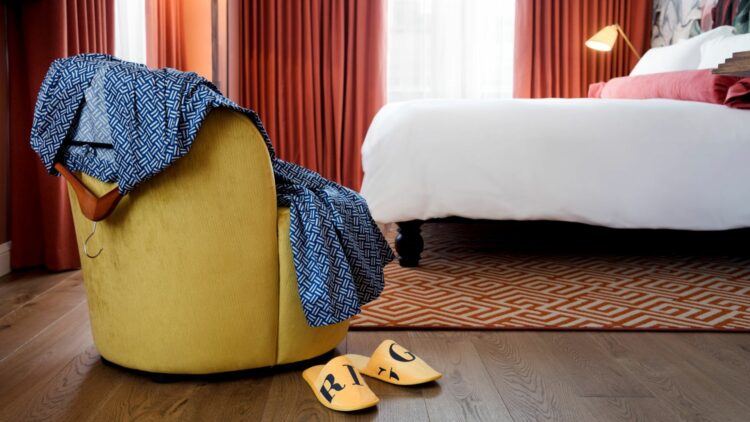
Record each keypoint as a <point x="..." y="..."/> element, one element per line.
<point x="394" y="364"/>
<point x="338" y="386"/>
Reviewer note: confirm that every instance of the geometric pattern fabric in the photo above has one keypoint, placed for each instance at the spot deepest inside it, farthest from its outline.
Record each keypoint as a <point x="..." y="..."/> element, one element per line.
<point x="150" y="118"/>
<point x="465" y="285"/>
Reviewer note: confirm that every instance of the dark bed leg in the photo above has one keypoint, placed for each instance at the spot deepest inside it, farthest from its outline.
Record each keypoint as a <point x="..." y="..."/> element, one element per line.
<point x="409" y="243"/>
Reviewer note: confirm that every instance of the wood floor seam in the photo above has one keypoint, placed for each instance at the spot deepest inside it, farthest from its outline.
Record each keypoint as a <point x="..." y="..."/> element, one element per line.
<point x="32" y="298"/>
<point x="28" y="341"/>
<point x="486" y="369"/>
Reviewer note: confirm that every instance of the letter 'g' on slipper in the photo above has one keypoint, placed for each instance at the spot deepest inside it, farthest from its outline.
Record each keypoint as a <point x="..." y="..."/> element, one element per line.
<point x="392" y="363"/>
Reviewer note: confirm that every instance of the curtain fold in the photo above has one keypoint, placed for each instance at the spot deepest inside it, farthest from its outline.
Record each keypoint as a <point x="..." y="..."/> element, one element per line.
<point x="315" y="73"/>
<point x="180" y="34"/>
<point x="41" y="225"/>
<point x="551" y="59"/>
<point x="164" y="41"/>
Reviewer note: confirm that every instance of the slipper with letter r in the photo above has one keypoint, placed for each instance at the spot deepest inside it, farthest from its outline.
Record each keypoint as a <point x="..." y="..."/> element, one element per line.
<point x="337" y="385"/>
<point x="394" y="364"/>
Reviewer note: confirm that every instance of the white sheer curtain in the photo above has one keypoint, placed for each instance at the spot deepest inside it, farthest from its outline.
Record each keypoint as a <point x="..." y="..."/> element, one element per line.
<point x="130" y="30"/>
<point x="450" y="49"/>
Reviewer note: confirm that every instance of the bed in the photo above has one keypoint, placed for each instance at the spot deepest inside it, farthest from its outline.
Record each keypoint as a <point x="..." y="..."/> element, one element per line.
<point x="620" y="163"/>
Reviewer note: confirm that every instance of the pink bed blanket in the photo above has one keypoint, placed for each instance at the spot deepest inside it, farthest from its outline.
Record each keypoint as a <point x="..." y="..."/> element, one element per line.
<point x="686" y="85"/>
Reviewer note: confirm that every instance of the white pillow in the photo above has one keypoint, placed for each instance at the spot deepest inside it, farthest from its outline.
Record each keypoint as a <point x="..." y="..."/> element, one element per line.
<point x="714" y="52"/>
<point x="685" y="55"/>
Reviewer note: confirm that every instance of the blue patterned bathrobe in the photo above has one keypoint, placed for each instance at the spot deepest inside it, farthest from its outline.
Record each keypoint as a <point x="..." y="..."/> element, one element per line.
<point x="122" y="122"/>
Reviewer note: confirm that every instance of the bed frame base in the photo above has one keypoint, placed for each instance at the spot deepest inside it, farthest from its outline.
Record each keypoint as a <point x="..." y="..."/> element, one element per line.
<point x="559" y="236"/>
<point x="409" y="243"/>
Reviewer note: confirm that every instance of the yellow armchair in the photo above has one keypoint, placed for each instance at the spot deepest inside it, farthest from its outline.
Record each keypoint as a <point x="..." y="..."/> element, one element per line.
<point x="196" y="274"/>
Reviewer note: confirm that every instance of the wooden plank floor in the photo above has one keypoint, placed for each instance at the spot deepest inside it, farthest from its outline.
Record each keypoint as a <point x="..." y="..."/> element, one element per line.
<point x="50" y="370"/>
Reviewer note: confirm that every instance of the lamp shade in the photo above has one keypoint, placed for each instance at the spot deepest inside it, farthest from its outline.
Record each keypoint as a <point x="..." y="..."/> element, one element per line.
<point x="603" y="40"/>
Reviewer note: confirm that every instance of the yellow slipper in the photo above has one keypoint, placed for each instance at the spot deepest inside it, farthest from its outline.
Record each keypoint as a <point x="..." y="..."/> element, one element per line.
<point x="394" y="364"/>
<point x="337" y="385"/>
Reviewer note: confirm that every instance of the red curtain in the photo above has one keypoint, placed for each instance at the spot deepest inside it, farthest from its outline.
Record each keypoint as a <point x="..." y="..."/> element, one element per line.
<point x="164" y="34"/>
<point x="315" y="72"/>
<point x="550" y="57"/>
<point x="180" y="34"/>
<point x="40" y="31"/>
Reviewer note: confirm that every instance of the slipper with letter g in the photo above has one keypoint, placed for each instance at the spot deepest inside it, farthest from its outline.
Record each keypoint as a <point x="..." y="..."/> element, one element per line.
<point x="392" y="363"/>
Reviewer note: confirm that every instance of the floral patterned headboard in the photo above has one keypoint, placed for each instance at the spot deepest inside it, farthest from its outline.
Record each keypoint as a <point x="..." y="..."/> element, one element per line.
<point x="678" y="19"/>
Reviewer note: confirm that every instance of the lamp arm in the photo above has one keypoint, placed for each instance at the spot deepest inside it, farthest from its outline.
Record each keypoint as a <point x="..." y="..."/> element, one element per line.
<point x="627" y="40"/>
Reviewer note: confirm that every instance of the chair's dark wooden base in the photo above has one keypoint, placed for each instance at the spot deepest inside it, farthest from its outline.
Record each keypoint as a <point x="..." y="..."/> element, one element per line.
<point x="163" y="378"/>
<point x="409" y="243"/>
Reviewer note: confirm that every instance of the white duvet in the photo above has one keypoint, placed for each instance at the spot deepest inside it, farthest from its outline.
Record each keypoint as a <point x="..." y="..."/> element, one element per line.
<point x="615" y="163"/>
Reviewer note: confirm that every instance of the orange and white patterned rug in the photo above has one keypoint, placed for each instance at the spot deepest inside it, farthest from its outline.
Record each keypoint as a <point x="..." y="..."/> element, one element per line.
<point x="469" y="280"/>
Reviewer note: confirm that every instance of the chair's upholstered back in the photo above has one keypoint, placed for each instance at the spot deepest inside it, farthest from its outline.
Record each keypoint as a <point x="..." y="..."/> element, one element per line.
<point x="188" y="281"/>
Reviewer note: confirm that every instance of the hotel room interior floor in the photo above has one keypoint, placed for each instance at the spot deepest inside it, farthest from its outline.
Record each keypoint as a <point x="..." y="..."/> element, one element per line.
<point x="50" y="370"/>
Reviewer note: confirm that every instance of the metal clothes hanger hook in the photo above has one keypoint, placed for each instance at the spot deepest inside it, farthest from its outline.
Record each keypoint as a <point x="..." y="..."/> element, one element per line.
<point x="86" y="242"/>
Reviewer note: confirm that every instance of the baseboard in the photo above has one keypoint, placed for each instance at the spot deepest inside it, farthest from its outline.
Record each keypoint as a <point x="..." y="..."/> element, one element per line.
<point x="5" y="258"/>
